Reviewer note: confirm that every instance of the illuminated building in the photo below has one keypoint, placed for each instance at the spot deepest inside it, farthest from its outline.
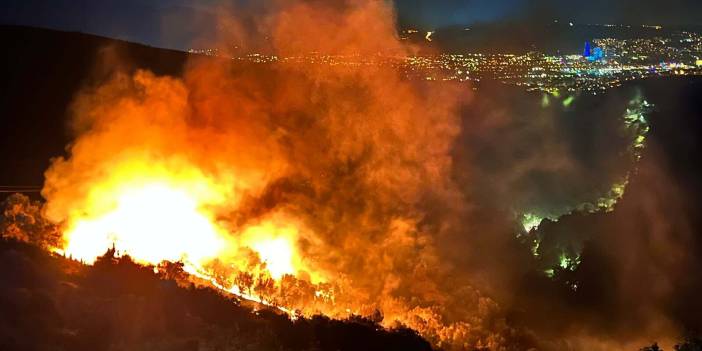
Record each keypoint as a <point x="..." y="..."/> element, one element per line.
<point x="586" y="51"/>
<point x="597" y="55"/>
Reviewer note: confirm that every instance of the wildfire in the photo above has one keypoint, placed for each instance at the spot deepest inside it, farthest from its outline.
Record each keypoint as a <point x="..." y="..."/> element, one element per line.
<point x="168" y="220"/>
<point x="151" y="223"/>
<point x="277" y="254"/>
<point x="297" y="187"/>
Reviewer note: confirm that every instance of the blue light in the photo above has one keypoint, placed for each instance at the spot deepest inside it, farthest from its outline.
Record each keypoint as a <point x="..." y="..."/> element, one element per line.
<point x="586" y="52"/>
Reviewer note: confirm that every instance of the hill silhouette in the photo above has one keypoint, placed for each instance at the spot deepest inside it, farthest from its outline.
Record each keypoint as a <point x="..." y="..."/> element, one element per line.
<point x="50" y="302"/>
<point x="46" y="68"/>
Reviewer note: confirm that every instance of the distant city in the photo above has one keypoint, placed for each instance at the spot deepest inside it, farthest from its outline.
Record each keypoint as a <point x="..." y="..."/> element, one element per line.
<point x="604" y="63"/>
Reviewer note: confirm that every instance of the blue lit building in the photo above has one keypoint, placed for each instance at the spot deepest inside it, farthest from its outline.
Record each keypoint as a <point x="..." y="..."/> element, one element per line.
<point x="596" y="54"/>
<point x="586" y="52"/>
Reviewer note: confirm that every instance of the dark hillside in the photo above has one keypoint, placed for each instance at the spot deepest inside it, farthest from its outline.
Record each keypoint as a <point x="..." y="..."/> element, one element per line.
<point x="42" y="70"/>
<point x="52" y="303"/>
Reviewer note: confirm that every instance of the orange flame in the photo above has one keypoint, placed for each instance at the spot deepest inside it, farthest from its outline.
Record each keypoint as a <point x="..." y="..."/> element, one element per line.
<point x="161" y="216"/>
<point x="151" y="223"/>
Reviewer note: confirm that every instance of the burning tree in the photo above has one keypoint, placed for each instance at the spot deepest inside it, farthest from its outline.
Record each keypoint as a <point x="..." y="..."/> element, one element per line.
<point x="21" y="219"/>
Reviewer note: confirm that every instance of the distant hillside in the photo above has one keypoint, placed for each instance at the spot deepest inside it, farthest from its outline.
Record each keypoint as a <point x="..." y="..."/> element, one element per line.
<point x="52" y="303"/>
<point x="41" y="71"/>
<point x="521" y="37"/>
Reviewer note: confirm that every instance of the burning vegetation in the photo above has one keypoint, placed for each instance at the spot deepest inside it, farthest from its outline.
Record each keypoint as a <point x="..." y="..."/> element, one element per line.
<point x="116" y="304"/>
<point x="297" y="186"/>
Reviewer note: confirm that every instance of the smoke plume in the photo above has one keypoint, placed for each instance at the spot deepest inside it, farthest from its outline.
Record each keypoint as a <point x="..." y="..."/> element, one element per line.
<point x="348" y="156"/>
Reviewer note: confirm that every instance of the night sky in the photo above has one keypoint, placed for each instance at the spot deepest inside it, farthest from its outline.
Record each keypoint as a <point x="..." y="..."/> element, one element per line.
<point x="174" y="23"/>
<point x="447" y="12"/>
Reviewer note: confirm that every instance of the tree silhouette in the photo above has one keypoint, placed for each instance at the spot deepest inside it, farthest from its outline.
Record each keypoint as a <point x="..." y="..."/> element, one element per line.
<point x="244" y="281"/>
<point x="653" y="347"/>
<point x="265" y="288"/>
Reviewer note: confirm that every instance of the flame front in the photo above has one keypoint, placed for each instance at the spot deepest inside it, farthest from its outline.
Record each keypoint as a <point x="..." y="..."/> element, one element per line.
<point x="277" y="254"/>
<point x="167" y="216"/>
<point x="151" y="223"/>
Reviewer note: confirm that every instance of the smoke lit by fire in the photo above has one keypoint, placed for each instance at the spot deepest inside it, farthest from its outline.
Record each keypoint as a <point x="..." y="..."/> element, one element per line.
<point x="289" y="184"/>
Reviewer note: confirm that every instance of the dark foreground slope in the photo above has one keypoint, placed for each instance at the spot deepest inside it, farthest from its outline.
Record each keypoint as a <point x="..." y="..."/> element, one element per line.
<point x="52" y="303"/>
<point x="41" y="72"/>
